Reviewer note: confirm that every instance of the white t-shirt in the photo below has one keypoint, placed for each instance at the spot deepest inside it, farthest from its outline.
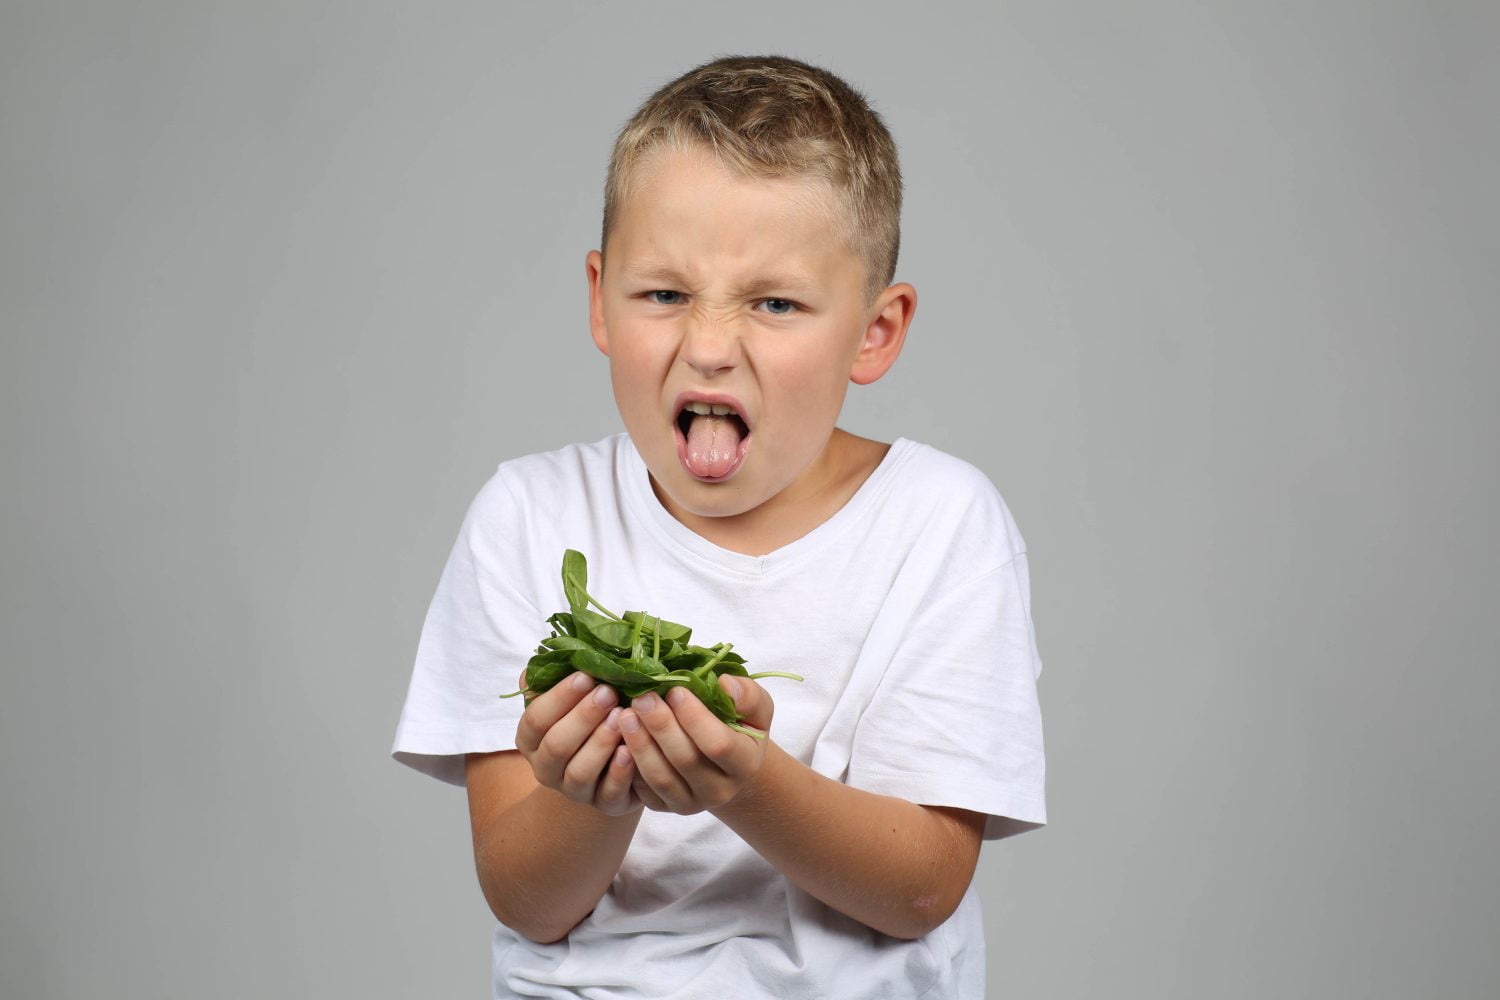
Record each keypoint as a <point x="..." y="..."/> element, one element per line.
<point x="908" y="613"/>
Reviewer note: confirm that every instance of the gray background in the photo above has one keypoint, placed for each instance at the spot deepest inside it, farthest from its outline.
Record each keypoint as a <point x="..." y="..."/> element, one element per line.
<point x="1207" y="289"/>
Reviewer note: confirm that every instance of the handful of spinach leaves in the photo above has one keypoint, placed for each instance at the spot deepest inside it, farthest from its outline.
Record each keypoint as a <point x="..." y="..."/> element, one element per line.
<point x="635" y="653"/>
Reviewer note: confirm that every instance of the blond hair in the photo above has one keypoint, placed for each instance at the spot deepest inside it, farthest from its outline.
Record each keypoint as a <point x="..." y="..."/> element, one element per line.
<point x="773" y="117"/>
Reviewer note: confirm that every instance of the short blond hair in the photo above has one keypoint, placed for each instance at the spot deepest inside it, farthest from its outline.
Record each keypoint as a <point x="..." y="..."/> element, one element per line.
<point x="770" y="116"/>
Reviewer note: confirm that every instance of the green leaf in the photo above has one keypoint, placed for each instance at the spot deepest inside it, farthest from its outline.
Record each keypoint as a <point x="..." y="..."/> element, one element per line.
<point x="565" y="642"/>
<point x="607" y="669"/>
<point x="544" y="670"/>
<point x="648" y="665"/>
<point x="668" y="631"/>
<point x="613" y="650"/>
<point x="618" y="636"/>
<point x="575" y="578"/>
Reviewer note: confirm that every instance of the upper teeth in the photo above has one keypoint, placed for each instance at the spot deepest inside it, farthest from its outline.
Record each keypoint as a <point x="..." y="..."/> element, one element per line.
<point x="710" y="409"/>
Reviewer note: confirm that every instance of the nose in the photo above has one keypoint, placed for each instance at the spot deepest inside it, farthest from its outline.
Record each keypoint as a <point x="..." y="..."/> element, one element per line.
<point x="710" y="345"/>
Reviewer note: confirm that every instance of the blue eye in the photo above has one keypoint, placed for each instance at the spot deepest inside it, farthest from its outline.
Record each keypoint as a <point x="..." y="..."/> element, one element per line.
<point x="779" y="307"/>
<point x="665" y="298"/>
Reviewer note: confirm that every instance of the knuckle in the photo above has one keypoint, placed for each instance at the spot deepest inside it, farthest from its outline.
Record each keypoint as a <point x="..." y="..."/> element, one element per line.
<point x="552" y="745"/>
<point x="575" y="784"/>
<point x="611" y="795"/>
<point x="527" y="740"/>
<point x="719" y="745"/>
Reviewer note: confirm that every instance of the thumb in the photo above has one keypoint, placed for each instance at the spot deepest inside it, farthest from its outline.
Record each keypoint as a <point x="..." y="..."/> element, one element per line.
<point x="750" y="700"/>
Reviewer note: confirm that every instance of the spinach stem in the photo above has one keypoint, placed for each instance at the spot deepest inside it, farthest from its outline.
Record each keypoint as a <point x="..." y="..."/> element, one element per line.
<point x="752" y="733"/>
<point x="589" y="598"/>
<point x="707" y="668"/>
<point x="775" y="673"/>
<point x="605" y="611"/>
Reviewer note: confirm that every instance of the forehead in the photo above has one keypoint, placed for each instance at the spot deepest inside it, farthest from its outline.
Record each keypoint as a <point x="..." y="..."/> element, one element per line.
<point x="684" y="209"/>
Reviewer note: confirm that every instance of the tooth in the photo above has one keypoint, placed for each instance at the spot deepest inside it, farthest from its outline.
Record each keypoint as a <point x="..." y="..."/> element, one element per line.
<point x="721" y="410"/>
<point x="702" y="409"/>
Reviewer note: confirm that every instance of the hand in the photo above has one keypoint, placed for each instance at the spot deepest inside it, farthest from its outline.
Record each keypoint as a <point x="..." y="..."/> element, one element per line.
<point x="571" y="737"/>
<point x="686" y="759"/>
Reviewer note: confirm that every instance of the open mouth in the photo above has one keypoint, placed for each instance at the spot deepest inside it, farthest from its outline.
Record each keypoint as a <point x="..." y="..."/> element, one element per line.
<point x="712" y="440"/>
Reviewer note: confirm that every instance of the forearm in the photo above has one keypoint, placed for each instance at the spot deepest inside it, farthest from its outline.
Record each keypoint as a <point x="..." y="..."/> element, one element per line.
<point x="895" y="866"/>
<point x="544" y="861"/>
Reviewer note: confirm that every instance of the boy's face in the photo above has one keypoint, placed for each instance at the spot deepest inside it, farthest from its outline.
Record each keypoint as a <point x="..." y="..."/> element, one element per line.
<point x="736" y="291"/>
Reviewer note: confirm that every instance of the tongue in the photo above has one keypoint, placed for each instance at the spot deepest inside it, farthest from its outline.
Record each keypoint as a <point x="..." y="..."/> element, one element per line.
<point x="712" y="445"/>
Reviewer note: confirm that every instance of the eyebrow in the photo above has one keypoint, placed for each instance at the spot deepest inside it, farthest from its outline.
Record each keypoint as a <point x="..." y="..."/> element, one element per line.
<point x="654" y="272"/>
<point x="788" y="282"/>
<point x="775" y="283"/>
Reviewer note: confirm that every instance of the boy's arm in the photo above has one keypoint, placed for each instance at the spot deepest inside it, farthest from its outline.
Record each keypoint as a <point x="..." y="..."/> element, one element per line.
<point x="893" y="865"/>
<point x="546" y="853"/>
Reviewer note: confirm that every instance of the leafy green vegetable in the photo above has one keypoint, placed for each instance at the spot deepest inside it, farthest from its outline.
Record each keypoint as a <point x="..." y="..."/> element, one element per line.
<point x="635" y="653"/>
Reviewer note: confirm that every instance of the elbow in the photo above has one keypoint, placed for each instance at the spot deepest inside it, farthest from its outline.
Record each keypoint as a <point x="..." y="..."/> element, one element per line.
<point x="539" y="934"/>
<point x="529" y="922"/>
<point x="525" y="912"/>
<point x="920" y="916"/>
<point x="933" y="896"/>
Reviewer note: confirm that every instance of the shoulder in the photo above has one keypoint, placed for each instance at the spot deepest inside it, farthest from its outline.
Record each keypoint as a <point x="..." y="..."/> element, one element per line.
<point x="950" y="496"/>
<point x="942" y="469"/>
<point x="569" y="464"/>
<point x="551" y="480"/>
<point x="547" y="486"/>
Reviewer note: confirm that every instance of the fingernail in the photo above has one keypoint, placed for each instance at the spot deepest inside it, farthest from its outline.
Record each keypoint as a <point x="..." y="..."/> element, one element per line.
<point x="676" y="696"/>
<point x="629" y="722"/>
<point x="731" y="685"/>
<point x="604" y="695"/>
<point x="612" y="720"/>
<point x="645" y="703"/>
<point x="622" y="756"/>
<point x="582" y="681"/>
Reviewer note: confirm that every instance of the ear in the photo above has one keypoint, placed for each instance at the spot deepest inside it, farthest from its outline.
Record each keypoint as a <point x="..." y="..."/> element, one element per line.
<point x="891" y="314"/>
<point x="594" y="266"/>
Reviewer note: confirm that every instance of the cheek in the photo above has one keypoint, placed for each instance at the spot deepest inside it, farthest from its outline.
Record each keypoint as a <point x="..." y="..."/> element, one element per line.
<point x="818" y="380"/>
<point x="636" y="361"/>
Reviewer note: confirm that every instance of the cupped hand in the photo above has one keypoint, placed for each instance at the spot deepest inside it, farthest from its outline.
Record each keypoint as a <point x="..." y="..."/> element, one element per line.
<point x="571" y="737"/>
<point x="686" y="759"/>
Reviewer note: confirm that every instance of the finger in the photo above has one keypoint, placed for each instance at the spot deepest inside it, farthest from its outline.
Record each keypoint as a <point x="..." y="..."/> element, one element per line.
<point x="661" y="720"/>
<point x="568" y="735"/>
<point x="650" y="762"/>
<point x="547" y="708"/>
<point x="731" y="752"/>
<point x="583" y="771"/>
<point x="647" y="795"/>
<point x="615" y="794"/>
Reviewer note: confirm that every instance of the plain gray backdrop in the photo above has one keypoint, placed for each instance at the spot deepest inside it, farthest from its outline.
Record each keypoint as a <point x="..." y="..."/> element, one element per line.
<point x="1208" y="290"/>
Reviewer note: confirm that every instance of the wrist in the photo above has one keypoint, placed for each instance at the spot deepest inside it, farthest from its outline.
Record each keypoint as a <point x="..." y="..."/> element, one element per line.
<point x="762" y="788"/>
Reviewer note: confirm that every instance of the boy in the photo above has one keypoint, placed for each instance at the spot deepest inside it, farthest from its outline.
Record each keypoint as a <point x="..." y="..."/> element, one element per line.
<point x="750" y="233"/>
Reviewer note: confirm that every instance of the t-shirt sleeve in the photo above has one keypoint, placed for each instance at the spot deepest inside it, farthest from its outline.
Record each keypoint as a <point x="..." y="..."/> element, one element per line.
<point x="478" y="634"/>
<point x="956" y="720"/>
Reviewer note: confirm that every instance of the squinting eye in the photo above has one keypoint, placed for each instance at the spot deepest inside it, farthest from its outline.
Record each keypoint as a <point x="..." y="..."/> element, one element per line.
<point x="665" y="298"/>
<point x="778" y="307"/>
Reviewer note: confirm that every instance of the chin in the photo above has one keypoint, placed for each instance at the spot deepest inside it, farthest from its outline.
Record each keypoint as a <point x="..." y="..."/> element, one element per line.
<point x="708" y="499"/>
<point x="727" y="499"/>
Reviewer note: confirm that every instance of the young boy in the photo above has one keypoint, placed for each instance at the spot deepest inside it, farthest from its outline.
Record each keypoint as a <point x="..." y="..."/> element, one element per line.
<point x="751" y="225"/>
